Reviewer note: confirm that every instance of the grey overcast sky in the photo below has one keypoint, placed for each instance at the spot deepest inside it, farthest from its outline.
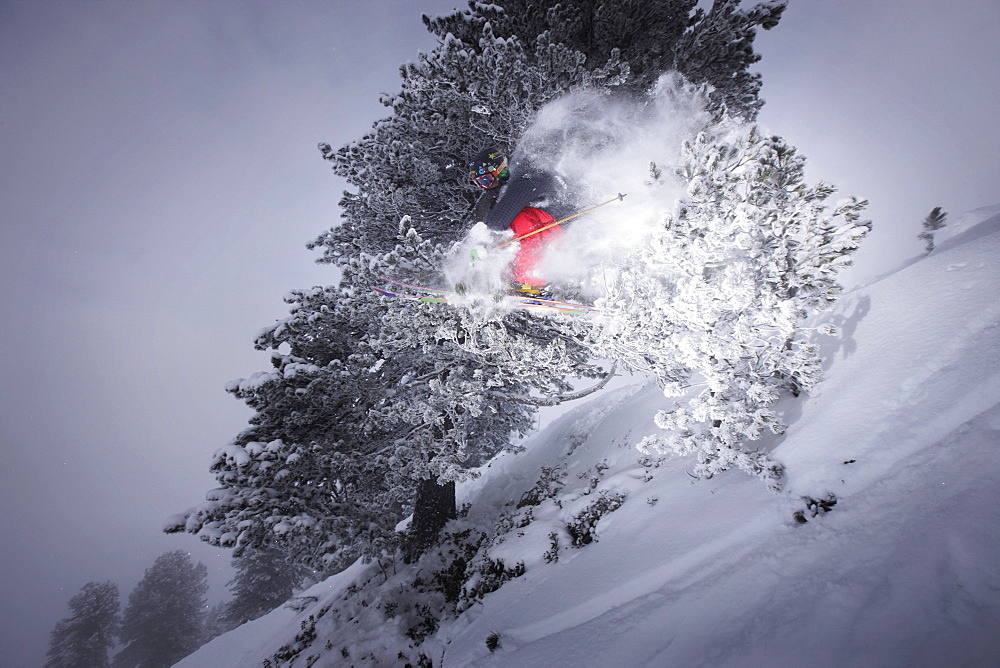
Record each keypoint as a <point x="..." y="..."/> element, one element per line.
<point x="159" y="179"/>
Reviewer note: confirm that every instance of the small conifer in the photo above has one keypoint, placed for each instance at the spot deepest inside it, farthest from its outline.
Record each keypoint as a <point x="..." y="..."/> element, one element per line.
<point x="934" y="221"/>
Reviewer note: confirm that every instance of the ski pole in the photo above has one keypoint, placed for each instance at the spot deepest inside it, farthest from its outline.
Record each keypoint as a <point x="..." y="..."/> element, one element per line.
<point x="619" y="198"/>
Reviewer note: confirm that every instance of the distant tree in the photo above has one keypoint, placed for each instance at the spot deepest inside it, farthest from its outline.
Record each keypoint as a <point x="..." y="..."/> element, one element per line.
<point x="264" y="580"/>
<point x="84" y="639"/>
<point x="163" y="621"/>
<point x="933" y="222"/>
<point x="216" y="622"/>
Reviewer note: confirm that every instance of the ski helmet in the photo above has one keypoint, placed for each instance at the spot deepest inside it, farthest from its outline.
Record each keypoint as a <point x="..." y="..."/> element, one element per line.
<point x="489" y="168"/>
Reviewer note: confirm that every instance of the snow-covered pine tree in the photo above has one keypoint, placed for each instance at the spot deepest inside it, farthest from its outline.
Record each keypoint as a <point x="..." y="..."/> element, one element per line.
<point x="303" y="476"/>
<point x="713" y="47"/>
<point x="463" y="95"/>
<point x="162" y="622"/>
<point x="264" y="580"/>
<point x="328" y="465"/>
<point x="932" y="223"/>
<point x="86" y="637"/>
<point x="716" y="299"/>
<point x="718" y="50"/>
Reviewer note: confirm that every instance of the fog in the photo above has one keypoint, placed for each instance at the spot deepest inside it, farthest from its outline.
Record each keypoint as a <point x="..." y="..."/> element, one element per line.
<point x="159" y="179"/>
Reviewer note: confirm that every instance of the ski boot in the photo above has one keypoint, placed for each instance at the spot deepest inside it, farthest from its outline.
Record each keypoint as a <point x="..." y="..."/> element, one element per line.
<point x="525" y="290"/>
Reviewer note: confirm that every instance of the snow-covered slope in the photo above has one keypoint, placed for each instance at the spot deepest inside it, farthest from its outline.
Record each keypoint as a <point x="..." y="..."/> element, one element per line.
<point x="901" y="444"/>
<point x="974" y="224"/>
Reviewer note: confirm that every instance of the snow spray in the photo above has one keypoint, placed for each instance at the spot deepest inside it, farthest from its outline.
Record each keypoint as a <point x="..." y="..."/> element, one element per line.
<point x="602" y="143"/>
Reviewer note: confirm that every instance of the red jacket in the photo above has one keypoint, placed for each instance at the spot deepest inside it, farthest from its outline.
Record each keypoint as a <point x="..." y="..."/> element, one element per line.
<point x="530" y="251"/>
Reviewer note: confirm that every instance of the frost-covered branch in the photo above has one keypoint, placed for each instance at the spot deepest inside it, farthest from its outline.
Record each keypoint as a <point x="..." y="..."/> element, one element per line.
<point x="563" y="398"/>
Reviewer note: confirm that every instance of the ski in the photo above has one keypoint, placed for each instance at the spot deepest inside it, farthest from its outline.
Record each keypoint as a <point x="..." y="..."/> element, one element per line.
<point x="414" y="287"/>
<point x="519" y="301"/>
<point x="421" y="298"/>
<point x="521" y="298"/>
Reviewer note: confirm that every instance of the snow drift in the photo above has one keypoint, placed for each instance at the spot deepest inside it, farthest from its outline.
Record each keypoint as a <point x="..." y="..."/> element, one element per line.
<point x="881" y="550"/>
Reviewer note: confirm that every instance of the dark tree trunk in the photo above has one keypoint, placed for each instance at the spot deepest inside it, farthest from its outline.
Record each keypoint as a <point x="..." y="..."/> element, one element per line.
<point x="433" y="508"/>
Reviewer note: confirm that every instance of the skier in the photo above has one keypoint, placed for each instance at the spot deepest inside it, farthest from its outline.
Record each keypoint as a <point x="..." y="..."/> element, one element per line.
<point x="522" y="198"/>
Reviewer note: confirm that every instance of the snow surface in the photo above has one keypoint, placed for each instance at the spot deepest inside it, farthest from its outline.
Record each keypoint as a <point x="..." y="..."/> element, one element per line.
<point x="903" y="570"/>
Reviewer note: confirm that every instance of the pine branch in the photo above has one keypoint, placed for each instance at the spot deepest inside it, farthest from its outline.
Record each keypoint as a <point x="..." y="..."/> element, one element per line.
<point x="562" y="398"/>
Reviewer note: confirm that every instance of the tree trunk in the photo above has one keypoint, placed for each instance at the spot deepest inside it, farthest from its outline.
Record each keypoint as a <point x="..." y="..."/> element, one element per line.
<point x="433" y="508"/>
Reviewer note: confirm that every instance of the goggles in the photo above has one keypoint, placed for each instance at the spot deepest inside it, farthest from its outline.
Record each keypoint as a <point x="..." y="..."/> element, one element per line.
<point x="488" y="178"/>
